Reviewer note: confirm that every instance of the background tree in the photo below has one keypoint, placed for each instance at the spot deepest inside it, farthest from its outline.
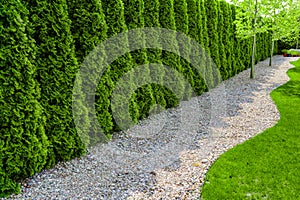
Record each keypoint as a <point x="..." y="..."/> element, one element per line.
<point x="291" y="27"/>
<point x="248" y="24"/>
<point x="283" y="21"/>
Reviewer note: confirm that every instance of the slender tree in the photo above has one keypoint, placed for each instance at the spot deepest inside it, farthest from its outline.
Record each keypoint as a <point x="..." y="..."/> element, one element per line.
<point x="227" y="34"/>
<point x="23" y="143"/>
<point x="167" y="20"/>
<point x="89" y="29"/>
<point x="57" y="69"/>
<point x="203" y="38"/>
<point x="151" y="19"/>
<point x="212" y="29"/>
<point x="232" y="12"/>
<point x="134" y="16"/>
<point x="282" y="17"/>
<point x="248" y="24"/>
<point x="88" y="26"/>
<point x="182" y="26"/>
<point x="194" y="28"/>
<point x="222" y="40"/>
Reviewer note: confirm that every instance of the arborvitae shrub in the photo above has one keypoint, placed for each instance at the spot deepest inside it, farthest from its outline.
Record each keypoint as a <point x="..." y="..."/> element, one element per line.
<point x="151" y="19"/>
<point x="205" y="41"/>
<point x="227" y="36"/>
<point x="23" y="143"/>
<point x="57" y="69"/>
<point x="211" y="7"/>
<point x="134" y="17"/>
<point x="239" y="53"/>
<point x="89" y="29"/>
<point x="276" y="48"/>
<point x="193" y="17"/>
<point x="203" y="20"/>
<point x="243" y="54"/>
<point x="268" y="44"/>
<point x="194" y="30"/>
<point x="233" y="42"/>
<point x="247" y="53"/>
<point x="181" y="16"/>
<point x="258" y="55"/>
<point x="181" y="21"/>
<point x="167" y="20"/>
<point x="231" y="18"/>
<point x="222" y="39"/>
<point x="264" y="46"/>
<point x="115" y="20"/>
<point x="88" y="26"/>
<point x="236" y="49"/>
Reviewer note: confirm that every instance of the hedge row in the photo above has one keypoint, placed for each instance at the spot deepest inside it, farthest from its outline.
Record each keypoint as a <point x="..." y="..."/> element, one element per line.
<point x="23" y="142"/>
<point x="44" y="44"/>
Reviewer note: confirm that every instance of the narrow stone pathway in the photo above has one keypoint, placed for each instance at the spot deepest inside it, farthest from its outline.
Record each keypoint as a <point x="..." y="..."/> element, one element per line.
<point x="168" y="155"/>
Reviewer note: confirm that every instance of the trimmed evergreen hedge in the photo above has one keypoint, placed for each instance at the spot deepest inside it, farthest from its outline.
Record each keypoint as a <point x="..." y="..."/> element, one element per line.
<point x="212" y="28"/>
<point x="56" y="71"/>
<point x="23" y="143"/>
<point x="43" y="45"/>
<point x="182" y="25"/>
<point x="134" y="17"/>
<point x="89" y="29"/>
<point x="154" y="55"/>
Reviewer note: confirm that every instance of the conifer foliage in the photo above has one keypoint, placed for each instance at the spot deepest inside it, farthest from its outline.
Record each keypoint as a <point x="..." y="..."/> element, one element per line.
<point x="23" y="143"/>
<point x="212" y="28"/>
<point x="154" y="55"/>
<point x="172" y="59"/>
<point x="56" y="71"/>
<point x="88" y="26"/>
<point x="134" y="17"/>
<point x="222" y="40"/>
<point x="43" y="44"/>
<point x="115" y="20"/>
<point x="89" y="29"/>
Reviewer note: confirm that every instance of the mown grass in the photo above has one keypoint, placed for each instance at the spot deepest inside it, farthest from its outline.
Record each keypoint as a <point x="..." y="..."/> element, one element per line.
<point x="268" y="165"/>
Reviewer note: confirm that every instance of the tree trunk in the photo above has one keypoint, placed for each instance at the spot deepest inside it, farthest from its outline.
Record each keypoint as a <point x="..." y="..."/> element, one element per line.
<point x="253" y="57"/>
<point x="254" y="42"/>
<point x="271" y="55"/>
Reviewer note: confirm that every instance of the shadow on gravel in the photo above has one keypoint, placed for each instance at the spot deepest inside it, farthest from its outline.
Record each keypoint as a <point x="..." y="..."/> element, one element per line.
<point x="244" y="93"/>
<point x="128" y="162"/>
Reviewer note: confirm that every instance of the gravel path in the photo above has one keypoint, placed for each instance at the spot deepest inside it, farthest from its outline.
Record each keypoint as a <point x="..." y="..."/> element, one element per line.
<point x="168" y="155"/>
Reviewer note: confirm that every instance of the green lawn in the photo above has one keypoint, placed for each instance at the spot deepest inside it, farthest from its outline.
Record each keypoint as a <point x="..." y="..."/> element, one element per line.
<point x="268" y="165"/>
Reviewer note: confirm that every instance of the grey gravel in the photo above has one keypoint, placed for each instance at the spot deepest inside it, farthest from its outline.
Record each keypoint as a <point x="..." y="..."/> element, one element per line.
<point x="167" y="155"/>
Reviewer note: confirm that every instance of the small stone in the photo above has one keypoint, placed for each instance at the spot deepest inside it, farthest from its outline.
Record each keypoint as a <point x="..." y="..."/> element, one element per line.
<point x="196" y="164"/>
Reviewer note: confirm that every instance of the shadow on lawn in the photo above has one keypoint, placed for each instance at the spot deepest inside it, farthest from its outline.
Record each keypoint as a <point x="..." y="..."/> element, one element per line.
<point x="266" y="166"/>
<point x="292" y="89"/>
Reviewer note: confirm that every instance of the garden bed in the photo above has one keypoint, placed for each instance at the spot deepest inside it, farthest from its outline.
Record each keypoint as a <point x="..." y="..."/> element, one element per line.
<point x="291" y="53"/>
